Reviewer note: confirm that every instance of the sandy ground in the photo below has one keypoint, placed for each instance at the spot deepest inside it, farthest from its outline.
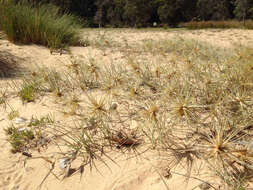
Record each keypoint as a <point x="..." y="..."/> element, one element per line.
<point x="220" y="37"/>
<point x="131" y="171"/>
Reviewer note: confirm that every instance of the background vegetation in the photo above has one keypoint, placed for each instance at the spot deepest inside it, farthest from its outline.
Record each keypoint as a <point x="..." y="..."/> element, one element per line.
<point x="140" y="13"/>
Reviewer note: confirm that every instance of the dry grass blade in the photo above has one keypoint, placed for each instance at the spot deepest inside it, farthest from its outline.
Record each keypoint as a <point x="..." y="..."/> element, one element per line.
<point x="121" y="138"/>
<point x="49" y="172"/>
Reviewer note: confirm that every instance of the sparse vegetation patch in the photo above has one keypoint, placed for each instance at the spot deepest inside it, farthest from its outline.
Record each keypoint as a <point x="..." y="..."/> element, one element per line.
<point x="191" y="104"/>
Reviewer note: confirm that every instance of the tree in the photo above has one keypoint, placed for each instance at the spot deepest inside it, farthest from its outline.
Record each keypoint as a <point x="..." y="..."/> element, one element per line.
<point x="101" y="14"/>
<point x="174" y="11"/>
<point x="138" y="12"/>
<point x="115" y="13"/>
<point x="215" y="9"/>
<point x="243" y="9"/>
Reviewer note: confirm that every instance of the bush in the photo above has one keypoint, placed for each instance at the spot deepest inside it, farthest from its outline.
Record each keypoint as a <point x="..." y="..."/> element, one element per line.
<point x="217" y="24"/>
<point x="249" y="24"/>
<point x="25" y="23"/>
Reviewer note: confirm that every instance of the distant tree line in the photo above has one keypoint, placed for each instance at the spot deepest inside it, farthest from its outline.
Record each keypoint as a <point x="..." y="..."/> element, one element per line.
<point x="141" y="13"/>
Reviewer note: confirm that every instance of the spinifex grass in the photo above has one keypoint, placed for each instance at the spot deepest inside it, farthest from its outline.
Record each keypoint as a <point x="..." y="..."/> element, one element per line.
<point x="26" y="23"/>
<point x="196" y="107"/>
<point x="40" y="82"/>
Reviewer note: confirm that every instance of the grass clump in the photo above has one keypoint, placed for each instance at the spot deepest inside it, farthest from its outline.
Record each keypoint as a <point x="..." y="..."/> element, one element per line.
<point x="28" y="90"/>
<point x="18" y="138"/>
<point x="40" y="121"/>
<point x="13" y="114"/>
<point x="29" y="136"/>
<point x="27" y="93"/>
<point x="39" y="83"/>
<point x="43" y="24"/>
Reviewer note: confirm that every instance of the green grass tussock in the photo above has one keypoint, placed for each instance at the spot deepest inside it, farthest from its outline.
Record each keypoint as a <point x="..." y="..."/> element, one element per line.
<point x="44" y="25"/>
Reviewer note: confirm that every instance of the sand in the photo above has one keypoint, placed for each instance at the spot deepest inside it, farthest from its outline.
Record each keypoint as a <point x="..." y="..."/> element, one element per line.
<point x="131" y="170"/>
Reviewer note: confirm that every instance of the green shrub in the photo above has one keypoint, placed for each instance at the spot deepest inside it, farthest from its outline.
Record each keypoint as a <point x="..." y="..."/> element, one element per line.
<point x="43" y="24"/>
<point x="249" y="24"/>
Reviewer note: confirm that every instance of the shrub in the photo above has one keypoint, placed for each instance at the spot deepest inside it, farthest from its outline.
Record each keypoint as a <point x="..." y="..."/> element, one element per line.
<point x="249" y="24"/>
<point x="43" y="24"/>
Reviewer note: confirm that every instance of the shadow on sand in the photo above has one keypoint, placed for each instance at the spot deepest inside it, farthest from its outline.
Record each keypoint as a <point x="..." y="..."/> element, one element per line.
<point x="9" y="66"/>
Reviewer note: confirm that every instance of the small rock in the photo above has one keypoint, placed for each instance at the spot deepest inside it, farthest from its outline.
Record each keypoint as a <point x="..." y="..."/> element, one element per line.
<point x="250" y="146"/>
<point x="21" y="129"/>
<point x="166" y="173"/>
<point x="64" y="163"/>
<point x="20" y="120"/>
<point x="204" y="186"/>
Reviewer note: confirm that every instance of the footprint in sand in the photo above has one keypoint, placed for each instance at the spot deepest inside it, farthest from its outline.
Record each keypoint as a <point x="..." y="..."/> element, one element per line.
<point x="11" y="177"/>
<point x="14" y="181"/>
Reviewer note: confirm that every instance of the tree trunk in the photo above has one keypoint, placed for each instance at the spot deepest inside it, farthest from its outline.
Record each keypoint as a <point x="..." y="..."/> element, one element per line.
<point x="244" y="15"/>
